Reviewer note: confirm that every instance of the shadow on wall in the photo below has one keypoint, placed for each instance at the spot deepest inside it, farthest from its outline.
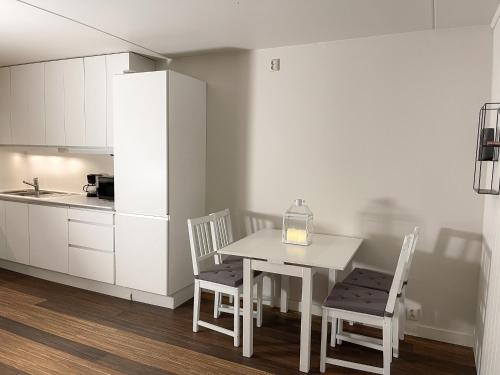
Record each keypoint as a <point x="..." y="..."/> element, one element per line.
<point x="252" y="222"/>
<point x="383" y="224"/>
<point x="229" y="86"/>
<point x="447" y="273"/>
<point x="482" y="301"/>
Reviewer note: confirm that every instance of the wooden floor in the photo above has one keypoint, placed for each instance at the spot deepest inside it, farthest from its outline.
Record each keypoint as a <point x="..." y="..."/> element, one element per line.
<point x="47" y="328"/>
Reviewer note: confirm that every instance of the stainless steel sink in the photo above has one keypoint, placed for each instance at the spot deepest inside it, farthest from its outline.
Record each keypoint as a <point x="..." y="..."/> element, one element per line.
<point x="33" y="194"/>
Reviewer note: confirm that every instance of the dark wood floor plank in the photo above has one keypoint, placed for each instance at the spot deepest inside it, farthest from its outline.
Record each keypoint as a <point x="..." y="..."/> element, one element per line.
<point x="114" y="342"/>
<point x="94" y="327"/>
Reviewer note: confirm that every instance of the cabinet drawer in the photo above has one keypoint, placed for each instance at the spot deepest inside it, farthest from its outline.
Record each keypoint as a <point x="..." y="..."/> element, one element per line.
<point x="94" y="236"/>
<point x="91" y="216"/>
<point x="92" y="264"/>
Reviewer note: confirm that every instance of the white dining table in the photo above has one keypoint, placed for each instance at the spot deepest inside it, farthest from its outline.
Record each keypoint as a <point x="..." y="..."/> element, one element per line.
<point x="264" y="251"/>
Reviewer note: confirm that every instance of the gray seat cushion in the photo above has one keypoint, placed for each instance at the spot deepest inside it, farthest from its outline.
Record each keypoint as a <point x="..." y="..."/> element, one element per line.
<point x="358" y="299"/>
<point x="370" y="279"/>
<point x="230" y="274"/>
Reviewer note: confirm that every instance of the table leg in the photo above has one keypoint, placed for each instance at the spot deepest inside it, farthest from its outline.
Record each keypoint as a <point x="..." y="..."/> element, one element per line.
<point x="247" y="308"/>
<point x="285" y="286"/>
<point x="332" y="279"/>
<point x="305" y="324"/>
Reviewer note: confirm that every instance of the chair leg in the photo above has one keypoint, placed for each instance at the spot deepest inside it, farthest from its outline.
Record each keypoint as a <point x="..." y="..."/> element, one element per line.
<point x="340" y="329"/>
<point x="324" y="334"/>
<point x="285" y="284"/>
<point x="236" y="312"/>
<point x="402" y="315"/>
<point x="259" y="302"/>
<point x="387" y="346"/>
<point x="196" y="305"/>
<point x="395" y="334"/>
<point x="333" y="337"/>
<point x="217" y="299"/>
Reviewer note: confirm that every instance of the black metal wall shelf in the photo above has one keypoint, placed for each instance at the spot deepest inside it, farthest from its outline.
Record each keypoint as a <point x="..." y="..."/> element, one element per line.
<point x="486" y="173"/>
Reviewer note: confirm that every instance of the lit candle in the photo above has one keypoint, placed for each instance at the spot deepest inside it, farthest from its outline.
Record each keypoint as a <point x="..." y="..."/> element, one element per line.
<point x="301" y="236"/>
<point x="296" y="235"/>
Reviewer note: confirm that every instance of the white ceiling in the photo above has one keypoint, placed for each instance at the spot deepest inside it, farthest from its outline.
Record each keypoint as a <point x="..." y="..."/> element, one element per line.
<point x="172" y="27"/>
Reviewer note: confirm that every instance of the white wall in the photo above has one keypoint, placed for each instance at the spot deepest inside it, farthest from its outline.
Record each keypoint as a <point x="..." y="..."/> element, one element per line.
<point x="487" y="335"/>
<point x="56" y="171"/>
<point x="378" y="135"/>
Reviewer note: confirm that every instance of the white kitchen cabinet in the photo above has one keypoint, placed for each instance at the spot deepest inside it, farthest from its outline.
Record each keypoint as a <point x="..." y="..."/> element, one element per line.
<point x="91" y="245"/>
<point x="48" y="237"/>
<point x="74" y="102"/>
<point x="5" y="130"/>
<point x="141" y="256"/>
<point x="95" y="101"/>
<point x="143" y="119"/>
<point x="92" y="264"/>
<point x="91" y="216"/>
<point x="161" y="116"/>
<point x="3" y="234"/>
<point x="28" y="104"/>
<point x="64" y="103"/>
<point x="54" y="103"/>
<point x="16" y="233"/>
<point x="93" y="236"/>
<point x="119" y="63"/>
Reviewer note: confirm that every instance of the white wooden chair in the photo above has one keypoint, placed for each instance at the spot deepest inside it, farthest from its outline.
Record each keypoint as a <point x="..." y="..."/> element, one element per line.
<point x="382" y="281"/>
<point x="220" y="278"/>
<point x="366" y="306"/>
<point x="222" y="235"/>
<point x="402" y="298"/>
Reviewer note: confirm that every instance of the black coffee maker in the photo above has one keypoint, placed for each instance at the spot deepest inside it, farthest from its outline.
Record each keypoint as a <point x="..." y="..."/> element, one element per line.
<point x="90" y="188"/>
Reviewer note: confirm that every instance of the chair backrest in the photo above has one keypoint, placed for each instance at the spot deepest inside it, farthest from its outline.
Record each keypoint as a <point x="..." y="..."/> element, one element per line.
<point x="413" y="246"/>
<point x="200" y="239"/>
<point x="222" y="230"/>
<point x="397" y="282"/>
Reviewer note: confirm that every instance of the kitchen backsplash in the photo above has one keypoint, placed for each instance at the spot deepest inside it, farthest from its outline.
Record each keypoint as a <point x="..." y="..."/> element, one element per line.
<point x="56" y="171"/>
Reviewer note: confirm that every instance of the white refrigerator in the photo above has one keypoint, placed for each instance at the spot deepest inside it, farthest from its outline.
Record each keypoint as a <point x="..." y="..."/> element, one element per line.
<point x="159" y="168"/>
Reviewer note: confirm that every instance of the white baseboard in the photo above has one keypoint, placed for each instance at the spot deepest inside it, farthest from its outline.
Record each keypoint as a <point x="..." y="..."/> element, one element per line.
<point x="170" y="302"/>
<point x="440" y="334"/>
<point x="412" y="328"/>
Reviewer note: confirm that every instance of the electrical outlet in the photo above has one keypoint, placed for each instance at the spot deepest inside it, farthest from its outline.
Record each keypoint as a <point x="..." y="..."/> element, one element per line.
<point x="413" y="314"/>
<point x="275" y="65"/>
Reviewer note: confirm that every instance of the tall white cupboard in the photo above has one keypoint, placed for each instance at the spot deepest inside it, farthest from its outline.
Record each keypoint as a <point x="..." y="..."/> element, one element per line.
<point x="159" y="166"/>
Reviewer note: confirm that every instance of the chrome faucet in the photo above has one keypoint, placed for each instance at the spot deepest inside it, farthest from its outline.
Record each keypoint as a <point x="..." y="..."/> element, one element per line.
<point x="35" y="185"/>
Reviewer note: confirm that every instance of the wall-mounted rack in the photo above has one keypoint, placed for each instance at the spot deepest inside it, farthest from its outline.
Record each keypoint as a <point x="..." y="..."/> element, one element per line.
<point x="486" y="174"/>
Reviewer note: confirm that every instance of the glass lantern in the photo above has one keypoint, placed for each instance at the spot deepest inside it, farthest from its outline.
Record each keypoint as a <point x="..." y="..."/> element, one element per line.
<point x="298" y="224"/>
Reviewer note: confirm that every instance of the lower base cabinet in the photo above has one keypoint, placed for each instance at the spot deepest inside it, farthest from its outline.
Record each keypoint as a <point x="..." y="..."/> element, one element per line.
<point x="92" y="264"/>
<point x="48" y="237"/>
<point x="141" y="253"/>
<point x="17" y="241"/>
<point x="91" y="245"/>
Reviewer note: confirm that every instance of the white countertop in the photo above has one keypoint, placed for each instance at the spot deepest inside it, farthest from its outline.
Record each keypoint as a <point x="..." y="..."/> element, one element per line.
<point x="70" y="200"/>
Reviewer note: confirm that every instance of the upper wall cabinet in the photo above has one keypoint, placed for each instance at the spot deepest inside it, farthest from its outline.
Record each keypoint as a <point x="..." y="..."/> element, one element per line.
<point x="74" y="102"/>
<point x="99" y="72"/>
<point x="28" y="104"/>
<point x="64" y="102"/>
<point x="54" y="103"/>
<point x="119" y="63"/>
<point x="5" y="134"/>
<point x="95" y="101"/>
